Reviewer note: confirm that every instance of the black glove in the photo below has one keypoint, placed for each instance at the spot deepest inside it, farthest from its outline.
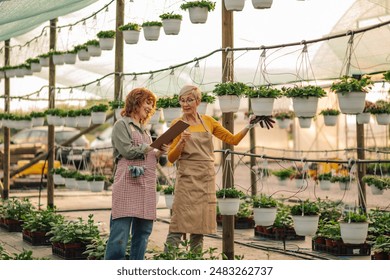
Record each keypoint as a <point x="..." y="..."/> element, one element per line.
<point x="264" y="121"/>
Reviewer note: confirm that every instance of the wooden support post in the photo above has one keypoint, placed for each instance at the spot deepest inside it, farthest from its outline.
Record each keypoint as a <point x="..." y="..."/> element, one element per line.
<point x="227" y="122"/>
<point x="51" y="140"/>
<point x="120" y="15"/>
<point x="252" y="143"/>
<point x="361" y="170"/>
<point x="6" y="155"/>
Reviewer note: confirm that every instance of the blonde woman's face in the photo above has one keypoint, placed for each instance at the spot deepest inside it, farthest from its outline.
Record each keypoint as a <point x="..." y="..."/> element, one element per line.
<point x="188" y="103"/>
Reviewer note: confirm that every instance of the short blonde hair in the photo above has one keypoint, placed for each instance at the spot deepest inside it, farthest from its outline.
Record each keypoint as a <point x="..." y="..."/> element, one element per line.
<point x="190" y="89"/>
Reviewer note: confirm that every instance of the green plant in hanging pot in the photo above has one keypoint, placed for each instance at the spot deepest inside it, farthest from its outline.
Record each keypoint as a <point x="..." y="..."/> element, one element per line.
<point x="283" y="175"/>
<point x="198" y="10"/>
<point x="229" y="95"/>
<point x="381" y="110"/>
<point x="151" y="30"/>
<point x="206" y="99"/>
<point x="131" y="32"/>
<point x="378" y="184"/>
<point x="264" y="209"/>
<point x="324" y="180"/>
<point x="306" y="217"/>
<point x="229" y="200"/>
<point x="98" y="113"/>
<point x="354" y="227"/>
<point x="171" y="23"/>
<point x="330" y="116"/>
<point x="305" y="99"/>
<point x="351" y="93"/>
<point x="93" y="47"/>
<point x="169" y="195"/>
<point x="106" y="39"/>
<point x="170" y="106"/>
<point x="284" y="118"/>
<point x="262" y="99"/>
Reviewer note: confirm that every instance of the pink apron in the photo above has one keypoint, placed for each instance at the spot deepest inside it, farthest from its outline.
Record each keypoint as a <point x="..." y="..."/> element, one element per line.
<point x="135" y="197"/>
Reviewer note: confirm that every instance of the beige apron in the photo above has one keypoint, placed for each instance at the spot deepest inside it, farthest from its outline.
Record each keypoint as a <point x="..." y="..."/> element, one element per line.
<point x="194" y="206"/>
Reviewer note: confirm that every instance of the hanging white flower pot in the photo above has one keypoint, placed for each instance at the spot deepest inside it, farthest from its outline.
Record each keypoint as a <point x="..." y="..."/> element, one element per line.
<point x="344" y="186"/>
<point x="351" y="102"/>
<point x="228" y="206"/>
<point x="106" y="44"/>
<point x="94" y="51"/>
<point x="202" y="108"/>
<point x="229" y="103"/>
<point x="375" y="190"/>
<point x="36" y="67"/>
<point x="234" y="5"/>
<point x="383" y="119"/>
<point x="98" y="117"/>
<point x="155" y="119"/>
<point x="171" y="26"/>
<point x="83" y="55"/>
<point x="71" y="121"/>
<point x="285" y="123"/>
<point x="325" y="185"/>
<point x="44" y="61"/>
<point x="262" y="4"/>
<point x="151" y="33"/>
<point x="305" y="107"/>
<point x="38" y="121"/>
<point x="171" y="113"/>
<point x="96" y="186"/>
<point x="84" y="121"/>
<point x="70" y="183"/>
<point x="70" y="58"/>
<point x="49" y="119"/>
<point x="363" y="118"/>
<point x="262" y="106"/>
<point x="305" y="225"/>
<point x="264" y="216"/>
<point x="58" y="59"/>
<point x="198" y="14"/>
<point x="330" y="120"/>
<point x="58" y="121"/>
<point x="118" y="113"/>
<point x="10" y="73"/>
<point x="83" y="185"/>
<point x="169" y="200"/>
<point x="304" y="122"/>
<point x="353" y="233"/>
<point x="131" y="36"/>
<point x="58" y="179"/>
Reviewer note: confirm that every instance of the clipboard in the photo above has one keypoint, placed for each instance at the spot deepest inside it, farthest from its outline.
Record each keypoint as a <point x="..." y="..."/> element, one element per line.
<point x="170" y="134"/>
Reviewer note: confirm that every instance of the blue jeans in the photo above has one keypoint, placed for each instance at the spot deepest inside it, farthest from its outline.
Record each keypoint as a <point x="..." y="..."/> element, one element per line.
<point x="119" y="236"/>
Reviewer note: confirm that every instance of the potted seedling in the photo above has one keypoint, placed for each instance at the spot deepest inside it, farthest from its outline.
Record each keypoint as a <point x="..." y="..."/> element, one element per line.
<point x="229" y="200"/>
<point x="305" y="216"/>
<point x="106" y="39"/>
<point x="324" y="180"/>
<point x="198" y="10"/>
<point x="82" y="52"/>
<point x="151" y="30"/>
<point x="98" y="113"/>
<point x="283" y="175"/>
<point x="117" y="106"/>
<point x="377" y="184"/>
<point x="284" y="118"/>
<point x="381" y="110"/>
<point x="131" y="32"/>
<point x="264" y="210"/>
<point x="351" y="93"/>
<point x="354" y="227"/>
<point x="229" y="95"/>
<point x="305" y="99"/>
<point x="206" y="99"/>
<point x="169" y="195"/>
<point x="93" y="48"/>
<point x="330" y="116"/>
<point x="171" y="23"/>
<point x="170" y="106"/>
<point x="262" y="99"/>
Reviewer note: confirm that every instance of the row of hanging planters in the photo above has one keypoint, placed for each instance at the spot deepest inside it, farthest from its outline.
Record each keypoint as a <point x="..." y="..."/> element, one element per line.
<point x="96" y="114"/>
<point x="73" y="179"/>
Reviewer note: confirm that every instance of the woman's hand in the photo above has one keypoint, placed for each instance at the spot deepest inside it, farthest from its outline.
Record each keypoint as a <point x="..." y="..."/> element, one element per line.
<point x="163" y="151"/>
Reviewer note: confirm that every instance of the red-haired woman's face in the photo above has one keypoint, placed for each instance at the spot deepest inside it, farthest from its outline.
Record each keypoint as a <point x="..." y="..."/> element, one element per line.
<point x="145" y="108"/>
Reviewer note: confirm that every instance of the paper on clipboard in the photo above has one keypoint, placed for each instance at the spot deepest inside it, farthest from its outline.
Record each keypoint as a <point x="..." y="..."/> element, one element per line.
<point x="170" y="134"/>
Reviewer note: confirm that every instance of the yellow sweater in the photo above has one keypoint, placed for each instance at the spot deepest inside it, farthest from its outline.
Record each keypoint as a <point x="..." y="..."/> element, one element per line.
<point x="213" y="127"/>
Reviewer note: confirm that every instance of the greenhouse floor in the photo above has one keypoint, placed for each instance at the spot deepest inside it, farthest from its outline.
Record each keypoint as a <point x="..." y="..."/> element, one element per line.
<point x="73" y="204"/>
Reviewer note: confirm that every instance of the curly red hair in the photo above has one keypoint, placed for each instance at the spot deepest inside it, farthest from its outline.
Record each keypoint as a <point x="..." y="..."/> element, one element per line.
<point x="134" y="100"/>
